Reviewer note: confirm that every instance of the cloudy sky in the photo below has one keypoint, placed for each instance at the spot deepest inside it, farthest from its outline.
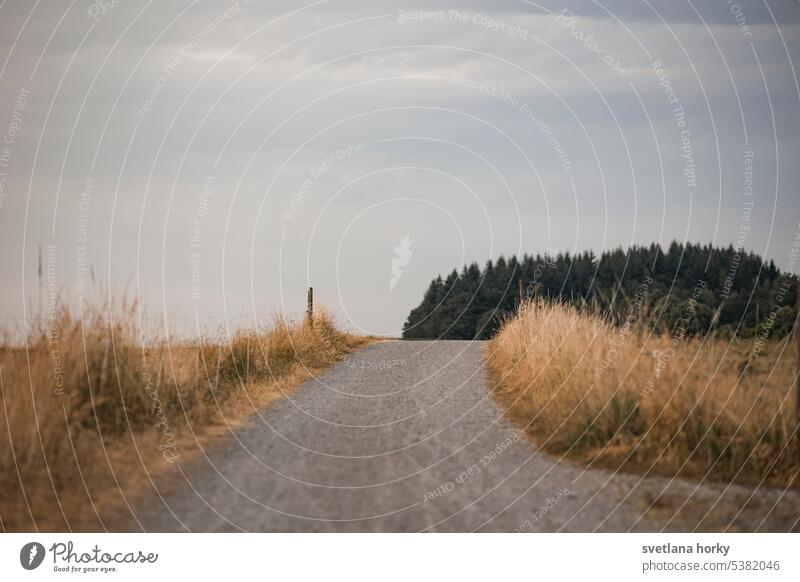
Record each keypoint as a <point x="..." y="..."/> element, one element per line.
<point x="214" y="159"/>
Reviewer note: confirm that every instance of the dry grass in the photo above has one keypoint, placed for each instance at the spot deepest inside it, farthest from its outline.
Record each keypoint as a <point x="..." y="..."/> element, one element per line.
<point x="91" y="413"/>
<point x="627" y="400"/>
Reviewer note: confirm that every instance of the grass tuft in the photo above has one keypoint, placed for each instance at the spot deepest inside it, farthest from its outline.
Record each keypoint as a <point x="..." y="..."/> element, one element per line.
<point x="91" y="411"/>
<point x="626" y="399"/>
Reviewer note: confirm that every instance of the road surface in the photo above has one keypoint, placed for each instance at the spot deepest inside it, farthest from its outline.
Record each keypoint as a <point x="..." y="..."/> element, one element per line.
<point x="405" y="436"/>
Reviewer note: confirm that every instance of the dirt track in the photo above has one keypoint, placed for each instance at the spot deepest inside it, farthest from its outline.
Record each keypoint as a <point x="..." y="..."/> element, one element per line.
<point x="404" y="436"/>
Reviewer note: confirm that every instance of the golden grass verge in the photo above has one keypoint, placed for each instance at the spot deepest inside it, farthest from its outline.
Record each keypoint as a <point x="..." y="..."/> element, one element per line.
<point x="91" y="414"/>
<point x="626" y="399"/>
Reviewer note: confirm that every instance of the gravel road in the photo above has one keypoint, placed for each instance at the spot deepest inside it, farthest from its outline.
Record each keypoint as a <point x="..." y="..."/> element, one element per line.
<point x="404" y="436"/>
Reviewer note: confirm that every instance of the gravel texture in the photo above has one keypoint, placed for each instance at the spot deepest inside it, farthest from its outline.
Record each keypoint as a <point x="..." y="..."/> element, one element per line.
<point x="405" y="436"/>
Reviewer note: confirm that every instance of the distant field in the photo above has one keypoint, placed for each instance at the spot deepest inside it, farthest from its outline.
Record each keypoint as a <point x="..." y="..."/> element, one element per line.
<point x="91" y="415"/>
<point x="625" y="399"/>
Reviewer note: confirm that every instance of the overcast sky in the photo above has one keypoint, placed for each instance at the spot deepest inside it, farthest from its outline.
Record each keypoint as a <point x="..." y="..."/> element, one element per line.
<point x="216" y="158"/>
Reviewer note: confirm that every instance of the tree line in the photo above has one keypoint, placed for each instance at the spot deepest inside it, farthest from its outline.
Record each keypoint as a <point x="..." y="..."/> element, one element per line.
<point x="688" y="289"/>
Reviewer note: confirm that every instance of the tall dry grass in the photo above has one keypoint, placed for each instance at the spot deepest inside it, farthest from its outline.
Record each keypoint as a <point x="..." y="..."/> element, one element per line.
<point x="626" y="399"/>
<point x="91" y="412"/>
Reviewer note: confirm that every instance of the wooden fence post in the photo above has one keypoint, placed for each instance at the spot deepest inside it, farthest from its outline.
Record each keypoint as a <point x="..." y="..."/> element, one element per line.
<point x="797" y="370"/>
<point x="310" y="308"/>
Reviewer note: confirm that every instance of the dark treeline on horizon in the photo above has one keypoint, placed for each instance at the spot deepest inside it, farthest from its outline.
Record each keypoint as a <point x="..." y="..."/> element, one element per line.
<point x="687" y="289"/>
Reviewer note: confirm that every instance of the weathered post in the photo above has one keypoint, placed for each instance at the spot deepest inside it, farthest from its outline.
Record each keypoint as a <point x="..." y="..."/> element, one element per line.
<point x="521" y="292"/>
<point x="797" y="340"/>
<point x="310" y="308"/>
<point x="40" y="314"/>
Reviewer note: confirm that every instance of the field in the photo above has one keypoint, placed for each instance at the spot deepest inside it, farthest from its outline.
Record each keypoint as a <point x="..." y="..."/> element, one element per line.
<point x="626" y="398"/>
<point x="93" y="413"/>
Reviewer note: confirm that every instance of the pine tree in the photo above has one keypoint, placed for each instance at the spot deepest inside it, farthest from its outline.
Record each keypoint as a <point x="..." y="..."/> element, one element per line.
<point x="740" y="290"/>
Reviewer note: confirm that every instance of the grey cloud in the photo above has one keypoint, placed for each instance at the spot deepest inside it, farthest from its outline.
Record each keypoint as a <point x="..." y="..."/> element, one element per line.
<point x="375" y="91"/>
